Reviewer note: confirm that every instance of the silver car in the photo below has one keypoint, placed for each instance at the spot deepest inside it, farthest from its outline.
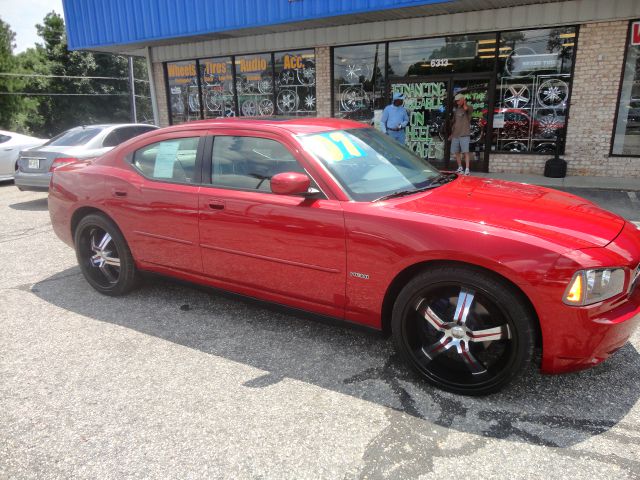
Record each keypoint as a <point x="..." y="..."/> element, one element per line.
<point x="81" y="143"/>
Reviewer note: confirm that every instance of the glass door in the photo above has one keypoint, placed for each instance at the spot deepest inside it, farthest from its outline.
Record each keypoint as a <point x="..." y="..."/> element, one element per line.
<point x="476" y="92"/>
<point x="426" y="102"/>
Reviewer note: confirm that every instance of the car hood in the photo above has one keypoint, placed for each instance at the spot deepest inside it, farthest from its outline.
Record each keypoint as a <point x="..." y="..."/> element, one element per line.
<point x="543" y="212"/>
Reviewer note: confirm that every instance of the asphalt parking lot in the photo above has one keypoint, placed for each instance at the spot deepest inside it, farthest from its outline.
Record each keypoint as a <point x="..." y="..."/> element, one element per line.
<point x="175" y="381"/>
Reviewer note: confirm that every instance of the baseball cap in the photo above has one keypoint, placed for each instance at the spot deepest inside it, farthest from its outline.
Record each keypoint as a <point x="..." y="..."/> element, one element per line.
<point x="398" y="96"/>
<point x="458" y="96"/>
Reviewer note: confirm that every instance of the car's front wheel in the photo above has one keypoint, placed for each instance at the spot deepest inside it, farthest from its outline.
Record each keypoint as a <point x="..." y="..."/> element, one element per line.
<point x="463" y="330"/>
<point x="104" y="256"/>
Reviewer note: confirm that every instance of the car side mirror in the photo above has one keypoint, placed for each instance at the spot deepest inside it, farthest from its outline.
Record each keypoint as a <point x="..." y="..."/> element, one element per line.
<point x="290" y="183"/>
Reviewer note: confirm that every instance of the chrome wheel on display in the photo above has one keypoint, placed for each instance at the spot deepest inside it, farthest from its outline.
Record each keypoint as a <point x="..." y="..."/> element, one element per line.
<point x="265" y="85"/>
<point x="307" y="74"/>
<point x="463" y="330"/>
<point x="265" y="107"/>
<point x="286" y="77"/>
<point x="104" y="256"/>
<point x="352" y="99"/>
<point x="547" y="126"/>
<point x="287" y="101"/>
<point x="553" y="93"/>
<point x="249" y="108"/>
<point x="516" y="147"/>
<point x="517" y="96"/>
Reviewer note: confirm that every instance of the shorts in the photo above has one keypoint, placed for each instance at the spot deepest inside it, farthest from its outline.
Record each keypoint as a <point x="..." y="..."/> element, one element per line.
<point x="460" y="144"/>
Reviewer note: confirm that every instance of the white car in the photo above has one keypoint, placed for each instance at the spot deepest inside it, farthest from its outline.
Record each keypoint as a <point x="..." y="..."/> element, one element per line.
<point x="10" y="146"/>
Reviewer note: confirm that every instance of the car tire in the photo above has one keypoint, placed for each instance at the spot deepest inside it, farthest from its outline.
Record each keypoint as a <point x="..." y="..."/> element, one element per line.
<point x="463" y="330"/>
<point x="104" y="256"/>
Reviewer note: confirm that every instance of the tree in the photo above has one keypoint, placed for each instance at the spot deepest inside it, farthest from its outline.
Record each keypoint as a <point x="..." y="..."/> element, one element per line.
<point x="9" y="104"/>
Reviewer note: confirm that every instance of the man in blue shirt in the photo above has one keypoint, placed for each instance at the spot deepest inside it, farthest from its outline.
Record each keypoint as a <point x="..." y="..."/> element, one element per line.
<point x="395" y="118"/>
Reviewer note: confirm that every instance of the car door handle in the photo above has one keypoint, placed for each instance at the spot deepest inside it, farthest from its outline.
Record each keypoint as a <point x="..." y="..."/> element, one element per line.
<point x="8" y="149"/>
<point x="216" y="205"/>
<point x="119" y="193"/>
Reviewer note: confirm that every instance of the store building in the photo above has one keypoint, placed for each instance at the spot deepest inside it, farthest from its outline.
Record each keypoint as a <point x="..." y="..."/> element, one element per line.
<point x="542" y="75"/>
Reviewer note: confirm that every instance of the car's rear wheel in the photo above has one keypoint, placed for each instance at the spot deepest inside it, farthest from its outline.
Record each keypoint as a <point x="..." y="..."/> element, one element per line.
<point x="104" y="256"/>
<point x="463" y="330"/>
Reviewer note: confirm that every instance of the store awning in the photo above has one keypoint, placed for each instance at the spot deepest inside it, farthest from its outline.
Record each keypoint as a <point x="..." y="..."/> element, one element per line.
<point x="112" y="25"/>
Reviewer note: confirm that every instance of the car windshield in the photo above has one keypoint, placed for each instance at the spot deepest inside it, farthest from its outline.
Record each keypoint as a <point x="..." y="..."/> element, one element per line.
<point x="368" y="164"/>
<point x="74" y="137"/>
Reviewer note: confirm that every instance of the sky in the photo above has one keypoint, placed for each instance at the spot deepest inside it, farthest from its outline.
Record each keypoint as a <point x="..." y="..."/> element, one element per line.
<point x="22" y="16"/>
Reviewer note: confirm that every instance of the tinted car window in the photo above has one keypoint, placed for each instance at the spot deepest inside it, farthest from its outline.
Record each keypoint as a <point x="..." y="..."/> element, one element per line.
<point x="249" y="162"/>
<point x="121" y="135"/>
<point x="4" y="138"/>
<point x="170" y="160"/>
<point x="74" y="137"/>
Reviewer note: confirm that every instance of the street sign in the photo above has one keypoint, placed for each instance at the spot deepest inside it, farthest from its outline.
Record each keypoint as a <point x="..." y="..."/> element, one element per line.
<point x="635" y="33"/>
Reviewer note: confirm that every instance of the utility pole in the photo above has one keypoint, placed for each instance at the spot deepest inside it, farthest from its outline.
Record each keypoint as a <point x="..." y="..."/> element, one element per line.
<point x="132" y="93"/>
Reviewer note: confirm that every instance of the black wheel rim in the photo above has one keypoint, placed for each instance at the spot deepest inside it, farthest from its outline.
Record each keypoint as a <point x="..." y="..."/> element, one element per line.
<point x="99" y="256"/>
<point x="459" y="336"/>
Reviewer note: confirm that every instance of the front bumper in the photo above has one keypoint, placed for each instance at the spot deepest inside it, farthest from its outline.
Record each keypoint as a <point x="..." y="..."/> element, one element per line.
<point x="575" y="338"/>
<point x="36" y="182"/>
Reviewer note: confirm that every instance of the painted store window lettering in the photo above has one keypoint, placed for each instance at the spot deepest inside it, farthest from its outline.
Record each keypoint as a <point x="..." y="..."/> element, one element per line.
<point x="216" y="79"/>
<point x="254" y="82"/>
<point x="295" y="83"/>
<point x="425" y="102"/>
<point x="184" y="98"/>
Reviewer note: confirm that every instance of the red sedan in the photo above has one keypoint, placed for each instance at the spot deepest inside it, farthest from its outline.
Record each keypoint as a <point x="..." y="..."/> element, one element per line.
<point x="469" y="275"/>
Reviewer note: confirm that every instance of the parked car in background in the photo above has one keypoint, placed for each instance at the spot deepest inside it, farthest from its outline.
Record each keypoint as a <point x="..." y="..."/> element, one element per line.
<point x="468" y="274"/>
<point x="10" y="146"/>
<point x="80" y="143"/>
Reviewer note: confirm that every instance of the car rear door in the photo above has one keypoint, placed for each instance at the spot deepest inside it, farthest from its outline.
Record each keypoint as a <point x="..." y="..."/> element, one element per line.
<point x="283" y="248"/>
<point x="156" y="200"/>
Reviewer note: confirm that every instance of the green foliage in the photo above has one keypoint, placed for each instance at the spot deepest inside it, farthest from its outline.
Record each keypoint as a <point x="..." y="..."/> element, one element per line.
<point x="63" y="72"/>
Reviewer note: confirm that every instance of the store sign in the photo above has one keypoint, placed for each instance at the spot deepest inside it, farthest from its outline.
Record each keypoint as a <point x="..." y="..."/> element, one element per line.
<point x="539" y="61"/>
<point x="215" y="68"/>
<point x="175" y="71"/>
<point x="252" y="64"/>
<point x="635" y="33"/>
<point x="293" y="62"/>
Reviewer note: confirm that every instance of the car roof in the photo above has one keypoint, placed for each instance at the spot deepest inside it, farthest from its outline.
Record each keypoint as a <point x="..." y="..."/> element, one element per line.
<point x="112" y="125"/>
<point x="301" y="125"/>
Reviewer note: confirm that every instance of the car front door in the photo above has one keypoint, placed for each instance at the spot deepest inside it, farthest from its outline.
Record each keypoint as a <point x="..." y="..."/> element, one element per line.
<point x="283" y="248"/>
<point x="156" y="201"/>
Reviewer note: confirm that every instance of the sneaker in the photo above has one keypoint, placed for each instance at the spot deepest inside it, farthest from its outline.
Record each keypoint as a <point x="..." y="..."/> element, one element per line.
<point x="466" y="172"/>
<point x="459" y="170"/>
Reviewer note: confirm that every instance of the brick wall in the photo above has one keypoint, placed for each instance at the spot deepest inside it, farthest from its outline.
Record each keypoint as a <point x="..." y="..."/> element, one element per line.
<point x="161" y="94"/>
<point x="596" y="82"/>
<point x="323" y="81"/>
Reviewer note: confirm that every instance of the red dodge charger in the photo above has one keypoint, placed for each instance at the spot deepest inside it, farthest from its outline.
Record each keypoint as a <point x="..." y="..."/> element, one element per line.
<point x="469" y="275"/>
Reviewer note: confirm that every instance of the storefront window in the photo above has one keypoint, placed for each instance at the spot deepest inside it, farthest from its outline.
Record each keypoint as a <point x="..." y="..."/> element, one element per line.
<point x="184" y="100"/>
<point x="533" y="88"/>
<point x="295" y="83"/>
<point x="254" y="82"/>
<point x="216" y="79"/>
<point x="626" y="140"/>
<point x="358" y="81"/>
<point x="432" y="56"/>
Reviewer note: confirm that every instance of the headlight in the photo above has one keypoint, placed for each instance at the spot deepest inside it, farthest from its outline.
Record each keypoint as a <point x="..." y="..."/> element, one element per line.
<point x="592" y="286"/>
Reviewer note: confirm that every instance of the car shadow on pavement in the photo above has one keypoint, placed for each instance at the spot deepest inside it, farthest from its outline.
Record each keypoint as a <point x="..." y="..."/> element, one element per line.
<point x="554" y="411"/>
<point x="38" y="205"/>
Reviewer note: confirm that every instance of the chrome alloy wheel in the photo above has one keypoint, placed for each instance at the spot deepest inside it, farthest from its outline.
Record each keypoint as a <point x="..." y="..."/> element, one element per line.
<point x="101" y="254"/>
<point x="459" y="337"/>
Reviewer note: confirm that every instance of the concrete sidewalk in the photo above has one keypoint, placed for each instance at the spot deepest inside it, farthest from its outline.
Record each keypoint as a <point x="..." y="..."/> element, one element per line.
<point x="594" y="183"/>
